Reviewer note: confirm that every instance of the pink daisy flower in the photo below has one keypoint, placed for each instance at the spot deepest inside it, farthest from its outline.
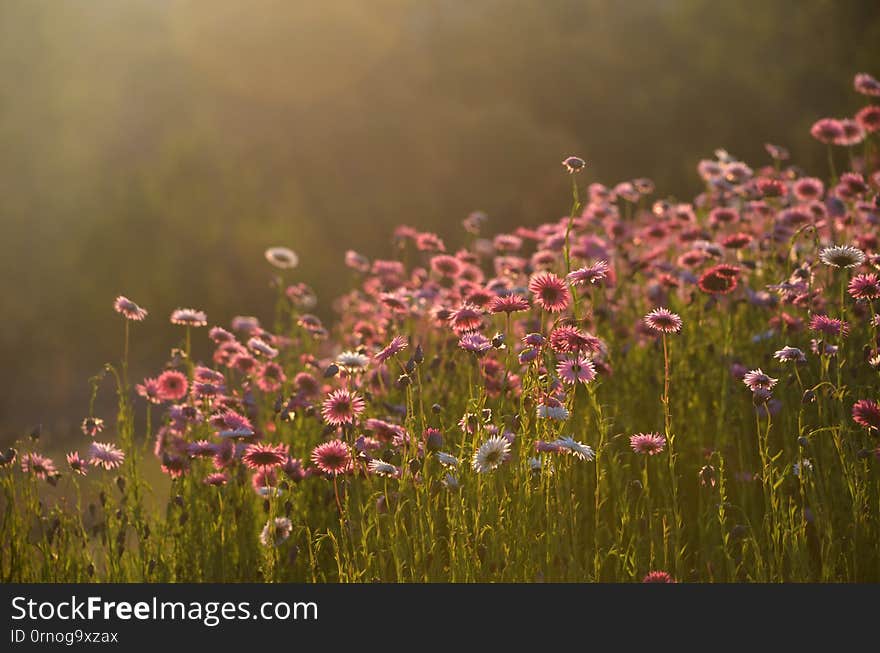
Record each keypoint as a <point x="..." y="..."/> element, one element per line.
<point x="663" y="320"/>
<point x="589" y="274"/>
<point x="106" y="455"/>
<point x="342" y="407"/>
<point x="808" y="189"/>
<point x="866" y="84"/>
<point x="869" y="118"/>
<point x="189" y="317"/>
<point x="476" y="343"/>
<point x="261" y="455"/>
<point x="171" y="385"/>
<point x="175" y="466"/>
<point x="446" y="266"/>
<point x="217" y="479"/>
<point x="232" y="425"/>
<point x="466" y="318"/>
<point x="866" y="413"/>
<point x="647" y="443"/>
<point x="219" y="335"/>
<point x="551" y="293"/>
<point x="719" y="280"/>
<point x="574" y="370"/>
<point x="128" y="309"/>
<point x="260" y="346"/>
<point x="77" y="464"/>
<point x="270" y="377"/>
<point x="658" y="577"/>
<point x="357" y="261"/>
<point x="852" y="133"/>
<point x="567" y="339"/>
<point x="864" y="286"/>
<point x="826" y="130"/>
<point x="332" y="457"/>
<point x="397" y="345"/>
<point x="830" y="326"/>
<point x="149" y="390"/>
<point x="38" y="465"/>
<point x="758" y="380"/>
<point x="511" y="303"/>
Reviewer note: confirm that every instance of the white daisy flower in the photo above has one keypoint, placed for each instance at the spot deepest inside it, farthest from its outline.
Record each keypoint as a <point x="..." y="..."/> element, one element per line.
<point x="577" y="449"/>
<point x="381" y="468"/>
<point x="842" y="256"/>
<point x="352" y="361"/>
<point x="491" y="454"/>
<point x="446" y="459"/>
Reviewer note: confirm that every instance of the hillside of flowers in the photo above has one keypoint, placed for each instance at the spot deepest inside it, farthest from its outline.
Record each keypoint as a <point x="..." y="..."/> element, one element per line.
<point x="647" y="389"/>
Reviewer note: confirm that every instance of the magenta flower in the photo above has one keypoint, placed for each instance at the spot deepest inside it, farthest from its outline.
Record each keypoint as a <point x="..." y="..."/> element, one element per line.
<point x="551" y="293"/>
<point x="91" y="426"/>
<point x="658" y="577"/>
<point x="757" y="379"/>
<point x="342" y="407"/>
<point x="590" y="274"/>
<point x="866" y="84"/>
<point x="865" y="286"/>
<point x="38" y="465"/>
<point x="826" y="130"/>
<point x="171" y="385"/>
<point x="511" y="303"/>
<point x="663" y="320"/>
<point x="397" y="345"/>
<point x="866" y="413"/>
<point x="476" y="343"/>
<point x="332" y="457"/>
<point x="77" y="464"/>
<point x="257" y="456"/>
<point x="830" y="326"/>
<point x="576" y="370"/>
<point x="647" y="443"/>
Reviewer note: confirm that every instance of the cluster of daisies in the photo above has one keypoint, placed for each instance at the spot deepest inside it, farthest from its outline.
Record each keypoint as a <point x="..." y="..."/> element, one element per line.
<point x="517" y="318"/>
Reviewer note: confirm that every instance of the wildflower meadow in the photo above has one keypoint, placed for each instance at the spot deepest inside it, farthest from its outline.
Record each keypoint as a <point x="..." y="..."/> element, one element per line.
<point x="646" y="389"/>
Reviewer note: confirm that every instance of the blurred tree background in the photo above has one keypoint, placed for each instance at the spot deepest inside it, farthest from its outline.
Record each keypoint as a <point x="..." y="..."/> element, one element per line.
<point x="155" y="148"/>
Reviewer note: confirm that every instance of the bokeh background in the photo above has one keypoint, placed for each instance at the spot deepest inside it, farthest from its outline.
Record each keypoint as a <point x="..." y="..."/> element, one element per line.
<point x="156" y="147"/>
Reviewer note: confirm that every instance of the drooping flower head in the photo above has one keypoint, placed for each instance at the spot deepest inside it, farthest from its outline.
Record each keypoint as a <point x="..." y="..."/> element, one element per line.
<point x="381" y="468"/>
<point x="128" y="309"/>
<point x="551" y="293"/>
<point x="332" y="457"/>
<point x="663" y="320"/>
<point x="647" y="443"/>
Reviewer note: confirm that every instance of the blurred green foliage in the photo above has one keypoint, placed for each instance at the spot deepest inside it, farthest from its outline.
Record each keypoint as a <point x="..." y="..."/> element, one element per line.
<point x="156" y="147"/>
